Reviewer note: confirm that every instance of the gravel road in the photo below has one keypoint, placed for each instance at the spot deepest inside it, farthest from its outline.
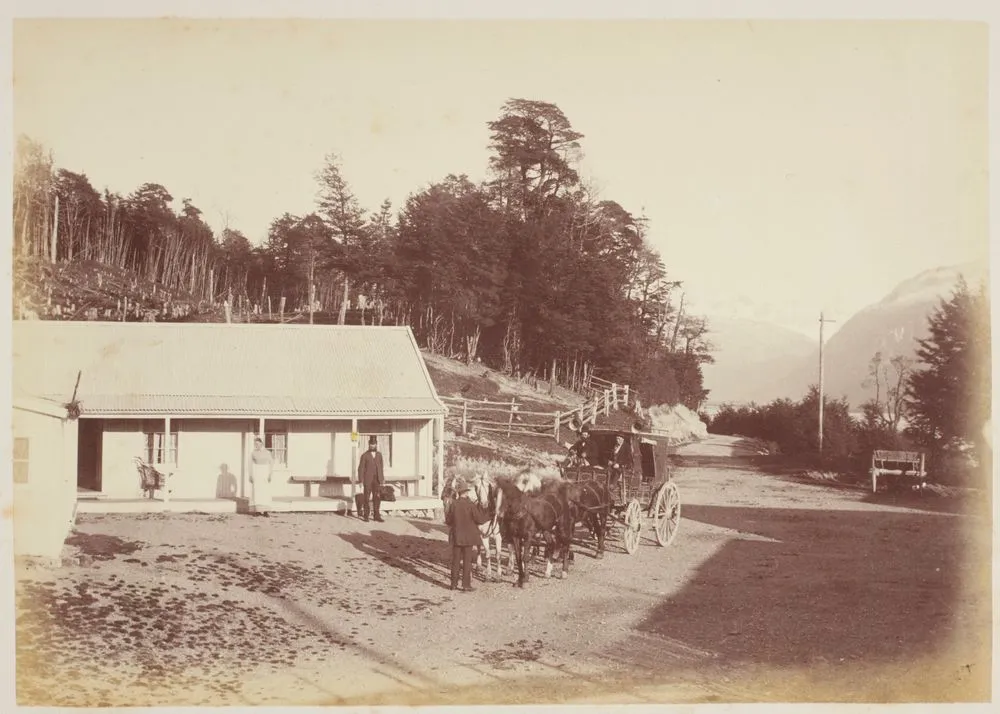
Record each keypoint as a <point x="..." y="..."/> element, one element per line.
<point x="774" y="590"/>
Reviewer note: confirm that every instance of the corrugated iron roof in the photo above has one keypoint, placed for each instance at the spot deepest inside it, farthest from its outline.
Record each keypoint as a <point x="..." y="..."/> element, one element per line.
<point x="239" y="369"/>
<point x="217" y="405"/>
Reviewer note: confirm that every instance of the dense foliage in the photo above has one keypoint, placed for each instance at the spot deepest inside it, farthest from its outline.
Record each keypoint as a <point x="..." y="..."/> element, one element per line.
<point x="939" y="405"/>
<point x="529" y="270"/>
<point x="793" y="426"/>
<point x="949" y="395"/>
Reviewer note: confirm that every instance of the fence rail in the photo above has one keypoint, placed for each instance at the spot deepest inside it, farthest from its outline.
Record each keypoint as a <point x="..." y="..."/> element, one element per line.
<point x="508" y="417"/>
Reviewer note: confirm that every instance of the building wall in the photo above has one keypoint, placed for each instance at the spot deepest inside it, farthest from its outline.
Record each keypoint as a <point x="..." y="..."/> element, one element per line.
<point x="44" y="506"/>
<point x="316" y="448"/>
<point x="122" y="441"/>
<point x="213" y="456"/>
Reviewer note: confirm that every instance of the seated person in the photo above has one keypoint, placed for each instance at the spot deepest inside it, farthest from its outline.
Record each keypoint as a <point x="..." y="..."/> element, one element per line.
<point x="579" y="453"/>
<point x="620" y="457"/>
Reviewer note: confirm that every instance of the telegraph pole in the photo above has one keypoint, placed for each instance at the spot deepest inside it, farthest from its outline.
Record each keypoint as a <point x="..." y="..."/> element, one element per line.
<point x="821" y="400"/>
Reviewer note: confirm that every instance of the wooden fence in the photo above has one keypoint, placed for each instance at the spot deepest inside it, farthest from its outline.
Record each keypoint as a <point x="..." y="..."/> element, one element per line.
<point x="511" y="418"/>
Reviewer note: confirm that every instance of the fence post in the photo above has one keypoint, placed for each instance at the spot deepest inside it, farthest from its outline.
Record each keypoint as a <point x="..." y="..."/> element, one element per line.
<point x="510" y="421"/>
<point x="607" y="401"/>
<point x="626" y="395"/>
<point x="555" y="429"/>
<point x="614" y="394"/>
<point x="595" y="408"/>
<point x="465" y="417"/>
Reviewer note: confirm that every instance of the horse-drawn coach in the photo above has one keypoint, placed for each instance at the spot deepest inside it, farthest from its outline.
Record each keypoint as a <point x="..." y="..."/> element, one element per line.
<point x="636" y="472"/>
<point x="622" y="480"/>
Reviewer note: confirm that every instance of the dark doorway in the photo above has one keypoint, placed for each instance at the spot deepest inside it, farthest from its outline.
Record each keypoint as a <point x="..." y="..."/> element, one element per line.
<point x="88" y="454"/>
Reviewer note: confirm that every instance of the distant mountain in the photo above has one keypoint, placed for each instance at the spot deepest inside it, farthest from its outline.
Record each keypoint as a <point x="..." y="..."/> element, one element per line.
<point x="891" y="326"/>
<point x="750" y="357"/>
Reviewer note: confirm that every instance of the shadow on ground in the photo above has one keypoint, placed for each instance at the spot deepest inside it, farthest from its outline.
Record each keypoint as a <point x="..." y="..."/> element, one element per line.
<point x="799" y="587"/>
<point x="423" y="558"/>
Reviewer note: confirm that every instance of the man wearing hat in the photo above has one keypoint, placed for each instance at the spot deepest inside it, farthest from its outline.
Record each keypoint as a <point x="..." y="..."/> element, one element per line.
<point x="580" y="451"/>
<point x="371" y="474"/>
<point x="463" y="519"/>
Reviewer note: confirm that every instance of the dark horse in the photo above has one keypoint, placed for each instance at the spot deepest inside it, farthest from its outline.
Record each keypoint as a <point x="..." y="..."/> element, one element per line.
<point x="590" y="502"/>
<point x="548" y="513"/>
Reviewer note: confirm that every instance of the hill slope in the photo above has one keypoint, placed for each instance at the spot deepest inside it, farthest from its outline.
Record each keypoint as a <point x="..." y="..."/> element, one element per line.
<point x="891" y="326"/>
<point x="749" y="357"/>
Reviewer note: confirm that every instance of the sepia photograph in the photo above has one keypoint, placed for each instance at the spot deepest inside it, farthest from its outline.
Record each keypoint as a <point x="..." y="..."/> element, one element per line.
<point x="467" y="361"/>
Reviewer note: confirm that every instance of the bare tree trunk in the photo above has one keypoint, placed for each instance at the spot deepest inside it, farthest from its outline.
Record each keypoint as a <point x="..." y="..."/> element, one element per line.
<point x="677" y="325"/>
<point x="472" y="345"/>
<point x="342" y="317"/>
<point x="55" y="234"/>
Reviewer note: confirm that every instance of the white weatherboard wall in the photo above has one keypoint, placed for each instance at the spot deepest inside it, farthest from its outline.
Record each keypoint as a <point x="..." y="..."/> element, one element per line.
<point x="210" y="458"/>
<point x="411" y="451"/>
<point x="122" y="441"/>
<point x="314" y="452"/>
<point x="213" y="456"/>
<point x="44" y="506"/>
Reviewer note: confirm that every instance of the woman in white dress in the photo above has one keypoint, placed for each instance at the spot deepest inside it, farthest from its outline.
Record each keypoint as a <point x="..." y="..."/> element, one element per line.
<point x="261" y="467"/>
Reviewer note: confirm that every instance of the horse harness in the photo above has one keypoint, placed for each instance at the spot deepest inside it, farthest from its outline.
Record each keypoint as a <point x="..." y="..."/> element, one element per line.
<point x="593" y="489"/>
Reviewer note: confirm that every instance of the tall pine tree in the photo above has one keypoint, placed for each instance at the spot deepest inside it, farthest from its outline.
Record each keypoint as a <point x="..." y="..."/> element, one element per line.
<point x="949" y="397"/>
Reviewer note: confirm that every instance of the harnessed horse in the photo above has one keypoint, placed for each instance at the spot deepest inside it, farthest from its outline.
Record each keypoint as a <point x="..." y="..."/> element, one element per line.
<point x="523" y="515"/>
<point x="488" y="496"/>
<point x="591" y="505"/>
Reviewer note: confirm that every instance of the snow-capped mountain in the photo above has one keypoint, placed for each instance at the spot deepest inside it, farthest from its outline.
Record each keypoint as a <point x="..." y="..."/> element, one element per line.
<point x="891" y="326"/>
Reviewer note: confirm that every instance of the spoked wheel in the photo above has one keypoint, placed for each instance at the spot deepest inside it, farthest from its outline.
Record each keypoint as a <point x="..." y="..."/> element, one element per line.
<point x="632" y="525"/>
<point x="667" y="513"/>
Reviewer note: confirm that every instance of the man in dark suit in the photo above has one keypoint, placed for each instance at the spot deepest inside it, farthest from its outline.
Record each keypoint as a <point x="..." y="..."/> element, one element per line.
<point x="580" y="451"/>
<point x="371" y="474"/>
<point x="620" y="457"/>
<point x="463" y="519"/>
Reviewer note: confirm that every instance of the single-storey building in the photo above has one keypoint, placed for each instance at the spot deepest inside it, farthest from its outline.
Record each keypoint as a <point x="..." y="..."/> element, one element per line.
<point x="189" y="398"/>
<point x="43" y="465"/>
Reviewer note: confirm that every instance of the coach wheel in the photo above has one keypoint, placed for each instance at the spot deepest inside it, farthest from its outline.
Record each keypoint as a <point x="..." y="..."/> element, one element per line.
<point x="667" y="514"/>
<point x="633" y="525"/>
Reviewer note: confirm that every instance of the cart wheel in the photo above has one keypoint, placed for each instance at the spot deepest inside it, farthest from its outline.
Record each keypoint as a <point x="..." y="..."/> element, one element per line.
<point x="667" y="513"/>
<point x="632" y="526"/>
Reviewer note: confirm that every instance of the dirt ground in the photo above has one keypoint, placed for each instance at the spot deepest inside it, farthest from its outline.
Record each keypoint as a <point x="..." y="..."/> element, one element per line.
<point x="773" y="590"/>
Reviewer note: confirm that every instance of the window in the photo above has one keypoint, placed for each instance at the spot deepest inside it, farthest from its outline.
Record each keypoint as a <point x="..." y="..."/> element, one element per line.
<point x="20" y="460"/>
<point x="157" y="449"/>
<point x="276" y="441"/>
<point x="384" y="446"/>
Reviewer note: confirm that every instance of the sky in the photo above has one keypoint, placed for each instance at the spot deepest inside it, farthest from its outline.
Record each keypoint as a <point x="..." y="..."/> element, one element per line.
<point x="786" y="167"/>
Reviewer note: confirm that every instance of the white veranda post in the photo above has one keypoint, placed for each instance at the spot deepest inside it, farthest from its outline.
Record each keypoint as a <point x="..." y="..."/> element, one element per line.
<point x="168" y="458"/>
<point x="354" y="462"/>
<point x="439" y="423"/>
